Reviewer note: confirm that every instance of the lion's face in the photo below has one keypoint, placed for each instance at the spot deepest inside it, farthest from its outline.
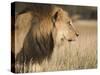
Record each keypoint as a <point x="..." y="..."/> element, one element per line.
<point x="63" y="29"/>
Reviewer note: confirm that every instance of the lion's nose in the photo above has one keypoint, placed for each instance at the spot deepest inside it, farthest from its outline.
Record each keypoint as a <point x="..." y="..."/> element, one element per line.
<point x="77" y="34"/>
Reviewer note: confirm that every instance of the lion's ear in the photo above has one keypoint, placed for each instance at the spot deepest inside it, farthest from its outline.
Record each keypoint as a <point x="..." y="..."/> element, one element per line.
<point x="55" y="16"/>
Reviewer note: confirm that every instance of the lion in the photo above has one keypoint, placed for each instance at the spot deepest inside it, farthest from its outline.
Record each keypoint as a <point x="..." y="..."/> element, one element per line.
<point x="38" y="29"/>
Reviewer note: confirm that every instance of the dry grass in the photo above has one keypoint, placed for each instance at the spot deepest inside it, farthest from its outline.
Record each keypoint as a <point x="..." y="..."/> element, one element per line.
<point x="80" y="54"/>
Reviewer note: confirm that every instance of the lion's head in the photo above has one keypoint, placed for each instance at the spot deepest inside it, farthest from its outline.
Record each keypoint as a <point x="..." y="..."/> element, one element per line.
<point x="63" y="28"/>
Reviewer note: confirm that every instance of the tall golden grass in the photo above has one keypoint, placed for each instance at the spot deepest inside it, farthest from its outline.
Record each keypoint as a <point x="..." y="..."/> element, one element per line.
<point x="79" y="54"/>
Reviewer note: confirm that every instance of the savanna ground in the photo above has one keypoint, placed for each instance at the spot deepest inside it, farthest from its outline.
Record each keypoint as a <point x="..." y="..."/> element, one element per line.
<point x="80" y="54"/>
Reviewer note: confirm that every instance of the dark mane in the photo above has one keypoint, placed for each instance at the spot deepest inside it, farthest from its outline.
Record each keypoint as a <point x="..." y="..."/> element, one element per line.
<point x="36" y="48"/>
<point x="38" y="43"/>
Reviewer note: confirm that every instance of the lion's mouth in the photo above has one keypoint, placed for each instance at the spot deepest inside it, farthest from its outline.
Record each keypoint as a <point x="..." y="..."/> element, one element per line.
<point x="65" y="39"/>
<point x="70" y="40"/>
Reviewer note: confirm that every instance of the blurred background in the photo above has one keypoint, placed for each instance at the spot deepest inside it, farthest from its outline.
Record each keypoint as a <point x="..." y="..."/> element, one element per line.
<point x="82" y="12"/>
